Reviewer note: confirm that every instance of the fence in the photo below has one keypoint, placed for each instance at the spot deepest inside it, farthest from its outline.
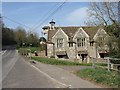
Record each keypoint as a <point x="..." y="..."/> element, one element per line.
<point x="114" y="64"/>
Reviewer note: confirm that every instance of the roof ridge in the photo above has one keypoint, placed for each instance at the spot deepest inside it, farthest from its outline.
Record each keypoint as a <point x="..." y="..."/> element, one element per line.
<point x="73" y="26"/>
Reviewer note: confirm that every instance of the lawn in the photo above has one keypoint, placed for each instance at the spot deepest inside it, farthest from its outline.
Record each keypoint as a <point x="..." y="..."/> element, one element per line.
<point x="101" y="76"/>
<point x="53" y="61"/>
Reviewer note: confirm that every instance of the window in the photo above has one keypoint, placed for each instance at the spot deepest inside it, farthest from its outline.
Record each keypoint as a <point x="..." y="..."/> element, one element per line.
<point x="100" y="41"/>
<point x="81" y="42"/>
<point x="91" y="43"/>
<point x="59" y="42"/>
<point x="70" y="44"/>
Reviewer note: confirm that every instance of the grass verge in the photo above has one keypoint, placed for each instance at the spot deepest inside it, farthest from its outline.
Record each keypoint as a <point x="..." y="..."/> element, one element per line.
<point x="101" y="76"/>
<point x="58" y="62"/>
<point x="53" y="61"/>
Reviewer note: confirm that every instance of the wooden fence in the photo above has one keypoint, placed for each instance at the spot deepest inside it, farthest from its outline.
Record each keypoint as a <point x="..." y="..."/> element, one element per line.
<point x="113" y="64"/>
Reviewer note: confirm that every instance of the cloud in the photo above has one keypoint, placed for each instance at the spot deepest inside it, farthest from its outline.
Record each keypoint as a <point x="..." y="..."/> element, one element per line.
<point x="78" y="16"/>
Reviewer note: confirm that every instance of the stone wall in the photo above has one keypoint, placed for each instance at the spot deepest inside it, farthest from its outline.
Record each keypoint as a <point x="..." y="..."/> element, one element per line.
<point x="50" y="50"/>
<point x="71" y="52"/>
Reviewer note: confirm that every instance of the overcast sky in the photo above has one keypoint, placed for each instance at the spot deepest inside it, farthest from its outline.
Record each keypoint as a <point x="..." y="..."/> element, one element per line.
<point x="34" y="13"/>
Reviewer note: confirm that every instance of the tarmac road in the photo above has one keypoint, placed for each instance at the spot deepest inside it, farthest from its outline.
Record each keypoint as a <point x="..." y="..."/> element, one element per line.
<point x="18" y="72"/>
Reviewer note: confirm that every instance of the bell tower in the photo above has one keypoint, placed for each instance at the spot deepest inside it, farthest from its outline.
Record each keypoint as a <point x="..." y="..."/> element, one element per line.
<point x="52" y="25"/>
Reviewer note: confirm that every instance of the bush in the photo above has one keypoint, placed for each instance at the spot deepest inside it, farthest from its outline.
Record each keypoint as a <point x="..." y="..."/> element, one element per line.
<point x="17" y="46"/>
<point x="23" y="51"/>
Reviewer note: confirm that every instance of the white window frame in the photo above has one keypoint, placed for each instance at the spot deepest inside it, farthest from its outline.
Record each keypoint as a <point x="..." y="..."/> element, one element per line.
<point x="81" y="42"/>
<point x="60" y="42"/>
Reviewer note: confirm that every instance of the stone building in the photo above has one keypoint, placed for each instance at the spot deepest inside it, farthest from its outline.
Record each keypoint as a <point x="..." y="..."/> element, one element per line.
<point x="76" y="43"/>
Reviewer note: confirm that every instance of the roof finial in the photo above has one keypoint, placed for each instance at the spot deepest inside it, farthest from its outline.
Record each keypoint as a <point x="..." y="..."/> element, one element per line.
<point x="52" y="22"/>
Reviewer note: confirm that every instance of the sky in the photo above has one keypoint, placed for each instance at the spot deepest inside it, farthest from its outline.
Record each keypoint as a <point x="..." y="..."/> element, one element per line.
<point x="34" y="14"/>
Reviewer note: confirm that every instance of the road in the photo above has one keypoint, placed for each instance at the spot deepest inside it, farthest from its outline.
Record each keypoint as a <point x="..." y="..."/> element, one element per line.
<point x="19" y="73"/>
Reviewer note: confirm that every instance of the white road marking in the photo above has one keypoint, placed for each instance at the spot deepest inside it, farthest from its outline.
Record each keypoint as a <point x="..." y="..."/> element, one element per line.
<point x="50" y="76"/>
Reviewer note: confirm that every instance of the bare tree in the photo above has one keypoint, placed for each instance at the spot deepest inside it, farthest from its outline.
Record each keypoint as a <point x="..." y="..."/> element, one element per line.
<point x="105" y="13"/>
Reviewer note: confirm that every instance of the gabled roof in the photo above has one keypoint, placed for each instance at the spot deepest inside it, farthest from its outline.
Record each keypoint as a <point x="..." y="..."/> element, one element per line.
<point x="70" y="31"/>
<point x="91" y="31"/>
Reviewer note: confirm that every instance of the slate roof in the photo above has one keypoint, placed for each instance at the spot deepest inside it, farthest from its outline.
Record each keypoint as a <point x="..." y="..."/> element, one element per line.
<point x="70" y="31"/>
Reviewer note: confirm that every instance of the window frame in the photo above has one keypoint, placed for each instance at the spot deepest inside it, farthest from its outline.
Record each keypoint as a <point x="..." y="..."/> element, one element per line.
<point x="81" y="42"/>
<point x="60" y="42"/>
<point x="70" y="44"/>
